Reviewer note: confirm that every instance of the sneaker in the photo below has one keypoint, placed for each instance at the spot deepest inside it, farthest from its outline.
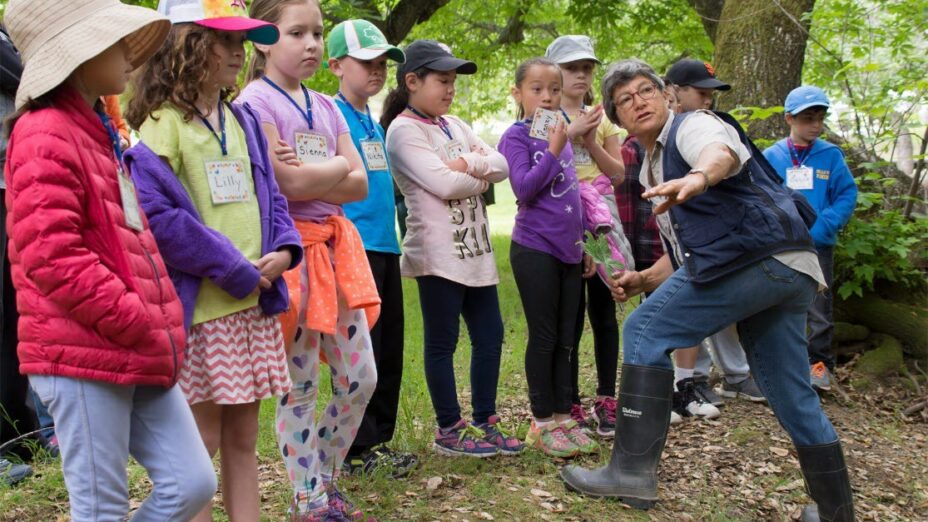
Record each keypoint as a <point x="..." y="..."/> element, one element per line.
<point x="381" y="459"/>
<point x="604" y="414"/>
<point x="692" y="403"/>
<point x="746" y="389"/>
<point x="340" y="503"/>
<point x="820" y="377"/>
<point x="12" y="474"/>
<point x="552" y="440"/>
<point x="707" y="394"/>
<point x="463" y="440"/>
<point x="506" y="443"/>
<point x="579" y="416"/>
<point x="323" y="514"/>
<point x="51" y="447"/>
<point x="579" y="437"/>
<point x="675" y="418"/>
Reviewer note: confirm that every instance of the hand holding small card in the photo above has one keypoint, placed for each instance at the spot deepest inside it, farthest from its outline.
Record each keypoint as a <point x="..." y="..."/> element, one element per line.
<point x="542" y="123"/>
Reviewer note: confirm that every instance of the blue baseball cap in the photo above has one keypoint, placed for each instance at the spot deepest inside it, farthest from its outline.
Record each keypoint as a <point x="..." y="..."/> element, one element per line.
<point x="801" y="98"/>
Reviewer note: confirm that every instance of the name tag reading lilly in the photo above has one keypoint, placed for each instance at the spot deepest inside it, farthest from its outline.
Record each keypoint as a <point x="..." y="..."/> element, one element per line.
<point x="311" y="147"/>
<point x="454" y="149"/>
<point x="543" y="123"/>
<point x="226" y="179"/>
<point x="374" y="156"/>
<point x="130" y="203"/>
<point x="799" y="178"/>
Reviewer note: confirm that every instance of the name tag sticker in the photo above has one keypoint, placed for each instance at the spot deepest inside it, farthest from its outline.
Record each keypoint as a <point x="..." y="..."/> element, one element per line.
<point x="226" y="179"/>
<point x="374" y="156"/>
<point x="130" y="203"/>
<point x="799" y="178"/>
<point x="311" y="147"/>
<point x="543" y="123"/>
<point x="582" y="156"/>
<point x="454" y="149"/>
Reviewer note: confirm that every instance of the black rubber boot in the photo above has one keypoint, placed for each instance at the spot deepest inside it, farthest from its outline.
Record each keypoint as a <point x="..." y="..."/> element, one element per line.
<point x="640" y="433"/>
<point x="827" y="483"/>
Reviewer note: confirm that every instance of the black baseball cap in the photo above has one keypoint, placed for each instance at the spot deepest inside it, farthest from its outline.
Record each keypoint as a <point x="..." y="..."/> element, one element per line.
<point x="433" y="55"/>
<point x="695" y="73"/>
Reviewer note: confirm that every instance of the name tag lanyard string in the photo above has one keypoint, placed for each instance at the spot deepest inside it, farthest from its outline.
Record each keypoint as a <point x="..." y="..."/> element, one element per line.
<point x="308" y="113"/>
<point x="442" y="124"/>
<point x="221" y="136"/>
<point x="369" y="129"/>
<point x="114" y="136"/>
<point x="798" y="159"/>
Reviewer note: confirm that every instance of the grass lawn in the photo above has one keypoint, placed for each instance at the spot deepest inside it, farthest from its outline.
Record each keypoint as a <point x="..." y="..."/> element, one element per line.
<point x="736" y="468"/>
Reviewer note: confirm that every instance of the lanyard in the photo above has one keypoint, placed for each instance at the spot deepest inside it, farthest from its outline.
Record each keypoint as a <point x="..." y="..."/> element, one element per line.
<point x="221" y="137"/>
<point x="441" y="121"/>
<point x="566" y="117"/>
<point x="360" y="117"/>
<point x="798" y="159"/>
<point x="114" y="136"/>
<point x="308" y="114"/>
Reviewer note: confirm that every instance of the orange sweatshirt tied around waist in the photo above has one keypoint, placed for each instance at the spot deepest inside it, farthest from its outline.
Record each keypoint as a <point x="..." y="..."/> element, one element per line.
<point x="351" y="277"/>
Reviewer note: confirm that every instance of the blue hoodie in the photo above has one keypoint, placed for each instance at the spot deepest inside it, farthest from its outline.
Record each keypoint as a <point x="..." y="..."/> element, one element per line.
<point x="833" y="193"/>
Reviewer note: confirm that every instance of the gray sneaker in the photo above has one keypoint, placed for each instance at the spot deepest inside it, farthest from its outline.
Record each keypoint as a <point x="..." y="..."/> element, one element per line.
<point x="746" y="389"/>
<point x="820" y="377"/>
<point x="707" y="394"/>
<point x="12" y="474"/>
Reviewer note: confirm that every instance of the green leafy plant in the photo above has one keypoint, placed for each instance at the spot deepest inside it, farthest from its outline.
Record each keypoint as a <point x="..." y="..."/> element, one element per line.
<point x="598" y="249"/>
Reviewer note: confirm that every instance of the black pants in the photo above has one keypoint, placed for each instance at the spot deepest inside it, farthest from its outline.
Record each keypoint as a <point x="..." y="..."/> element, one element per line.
<point x="550" y="292"/>
<point x="601" y="308"/>
<point x="821" y="324"/>
<point x="15" y="416"/>
<point x="379" y="421"/>
<point x="443" y="304"/>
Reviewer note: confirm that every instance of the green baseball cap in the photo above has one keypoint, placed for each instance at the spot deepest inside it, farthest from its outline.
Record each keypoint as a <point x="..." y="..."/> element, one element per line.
<point x="362" y="40"/>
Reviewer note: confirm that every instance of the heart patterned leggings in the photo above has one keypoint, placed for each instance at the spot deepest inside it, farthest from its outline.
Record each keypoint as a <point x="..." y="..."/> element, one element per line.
<point x="314" y="449"/>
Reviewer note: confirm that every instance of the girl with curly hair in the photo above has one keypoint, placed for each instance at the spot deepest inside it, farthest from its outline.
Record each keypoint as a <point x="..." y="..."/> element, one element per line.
<point x="207" y="186"/>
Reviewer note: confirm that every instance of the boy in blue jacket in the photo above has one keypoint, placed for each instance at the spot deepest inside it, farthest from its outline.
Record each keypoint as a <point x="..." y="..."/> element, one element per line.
<point x="817" y="169"/>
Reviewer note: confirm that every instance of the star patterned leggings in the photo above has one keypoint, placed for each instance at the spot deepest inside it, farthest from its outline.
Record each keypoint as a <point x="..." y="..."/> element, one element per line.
<point x="314" y="449"/>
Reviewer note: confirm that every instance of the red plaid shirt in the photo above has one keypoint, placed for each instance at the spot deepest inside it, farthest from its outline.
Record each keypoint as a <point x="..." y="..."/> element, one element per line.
<point x="636" y="214"/>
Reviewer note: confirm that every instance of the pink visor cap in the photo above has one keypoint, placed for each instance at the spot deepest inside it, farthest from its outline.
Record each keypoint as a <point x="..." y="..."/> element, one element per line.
<point x="221" y="15"/>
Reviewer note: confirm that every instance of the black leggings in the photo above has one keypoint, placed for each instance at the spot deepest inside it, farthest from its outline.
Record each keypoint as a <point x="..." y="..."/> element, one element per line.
<point x="601" y="308"/>
<point x="550" y="292"/>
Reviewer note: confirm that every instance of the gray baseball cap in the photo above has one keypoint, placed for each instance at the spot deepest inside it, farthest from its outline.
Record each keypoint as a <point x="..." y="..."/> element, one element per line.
<point x="571" y="48"/>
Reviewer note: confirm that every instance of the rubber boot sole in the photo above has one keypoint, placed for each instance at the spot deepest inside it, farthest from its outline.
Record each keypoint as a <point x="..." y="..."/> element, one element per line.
<point x="637" y="503"/>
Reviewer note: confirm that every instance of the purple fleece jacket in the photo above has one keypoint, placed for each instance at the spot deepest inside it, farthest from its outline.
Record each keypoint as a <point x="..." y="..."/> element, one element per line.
<point x="192" y="250"/>
<point x="550" y="217"/>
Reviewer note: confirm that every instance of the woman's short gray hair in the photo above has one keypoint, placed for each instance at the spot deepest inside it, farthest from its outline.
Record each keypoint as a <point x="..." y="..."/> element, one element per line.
<point x="621" y="73"/>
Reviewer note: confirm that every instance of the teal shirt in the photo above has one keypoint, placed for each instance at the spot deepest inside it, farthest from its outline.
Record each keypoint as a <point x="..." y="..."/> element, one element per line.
<point x="375" y="216"/>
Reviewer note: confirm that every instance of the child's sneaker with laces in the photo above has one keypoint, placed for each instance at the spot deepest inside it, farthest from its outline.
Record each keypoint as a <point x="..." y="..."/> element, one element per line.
<point x="340" y="503"/>
<point x="552" y="440"/>
<point x="579" y="437"/>
<point x="320" y="514"/>
<point x="604" y="414"/>
<point x="463" y="440"/>
<point x="579" y="416"/>
<point x="499" y="437"/>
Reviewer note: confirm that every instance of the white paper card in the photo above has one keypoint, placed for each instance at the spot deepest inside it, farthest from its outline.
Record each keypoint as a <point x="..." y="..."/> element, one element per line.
<point x="130" y="203"/>
<point x="543" y="123"/>
<point x="454" y="149"/>
<point x="582" y="157"/>
<point x="799" y="178"/>
<point x="227" y="183"/>
<point x="374" y="156"/>
<point x="311" y="147"/>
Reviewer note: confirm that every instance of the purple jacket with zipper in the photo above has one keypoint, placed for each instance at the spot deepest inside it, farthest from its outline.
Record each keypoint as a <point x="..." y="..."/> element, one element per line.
<point x="192" y="250"/>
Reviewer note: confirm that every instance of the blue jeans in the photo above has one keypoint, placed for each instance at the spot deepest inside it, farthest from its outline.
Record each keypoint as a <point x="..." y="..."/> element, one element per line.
<point x="99" y="425"/>
<point x="769" y="301"/>
<point x="45" y="418"/>
<point x="443" y="303"/>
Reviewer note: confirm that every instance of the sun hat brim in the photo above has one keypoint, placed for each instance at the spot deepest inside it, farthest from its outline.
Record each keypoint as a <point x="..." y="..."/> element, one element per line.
<point x="451" y="63"/>
<point x="369" y="53"/>
<point x="576" y="57"/>
<point x="144" y="31"/>
<point x="258" y="31"/>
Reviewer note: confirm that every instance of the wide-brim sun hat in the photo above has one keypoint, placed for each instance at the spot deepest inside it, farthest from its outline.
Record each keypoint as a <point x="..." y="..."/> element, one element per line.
<point x="53" y="43"/>
<point x="220" y="15"/>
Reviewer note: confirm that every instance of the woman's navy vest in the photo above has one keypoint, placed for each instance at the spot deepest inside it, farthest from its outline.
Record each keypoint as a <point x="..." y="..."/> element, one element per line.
<point x="737" y="222"/>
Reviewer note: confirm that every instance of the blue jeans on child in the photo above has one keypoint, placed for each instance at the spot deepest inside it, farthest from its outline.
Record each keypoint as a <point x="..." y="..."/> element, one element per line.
<point x="769" y="301"/>
<point x="443" y="303"/>
<point x="100" y="424"/>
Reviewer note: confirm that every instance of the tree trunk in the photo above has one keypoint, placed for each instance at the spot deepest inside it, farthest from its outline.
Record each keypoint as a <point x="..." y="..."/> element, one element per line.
<point x="907" y="323"/>
<point x="760" y="51"/>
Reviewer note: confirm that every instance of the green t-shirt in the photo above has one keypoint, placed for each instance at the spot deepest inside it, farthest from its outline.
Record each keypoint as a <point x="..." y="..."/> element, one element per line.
<point x="188" y="146"/>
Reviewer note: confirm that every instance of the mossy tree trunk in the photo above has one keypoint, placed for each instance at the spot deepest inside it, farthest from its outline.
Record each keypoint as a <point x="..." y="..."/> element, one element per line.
<point x="759" y="50"/>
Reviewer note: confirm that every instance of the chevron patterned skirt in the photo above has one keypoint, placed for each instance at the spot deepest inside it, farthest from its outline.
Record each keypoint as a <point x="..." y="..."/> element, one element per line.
<point x="235" y="359"/>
